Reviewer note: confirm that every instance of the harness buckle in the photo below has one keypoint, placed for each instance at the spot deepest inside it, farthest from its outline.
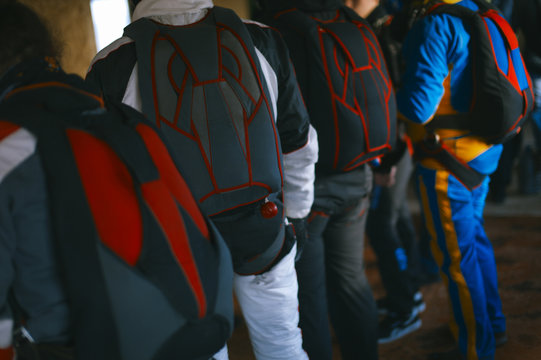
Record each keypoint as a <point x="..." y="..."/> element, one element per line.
<point x="432" y="141"/>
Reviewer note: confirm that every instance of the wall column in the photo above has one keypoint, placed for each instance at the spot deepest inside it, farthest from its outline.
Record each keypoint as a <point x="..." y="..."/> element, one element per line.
<point x="71" y="24"/>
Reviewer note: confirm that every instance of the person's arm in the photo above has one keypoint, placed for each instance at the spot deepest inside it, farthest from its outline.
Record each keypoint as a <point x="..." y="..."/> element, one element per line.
<point x="28" y="263"/>
<point x="425" y="52"/>
<point x="16" y="147"/>
<point x="113" y="72"/>
<point x="299" y="145"/>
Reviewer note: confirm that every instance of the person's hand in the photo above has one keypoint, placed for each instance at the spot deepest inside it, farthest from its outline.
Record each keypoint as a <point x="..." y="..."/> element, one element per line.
<point x="301" y="234"/>
<point x="385" y="179"/>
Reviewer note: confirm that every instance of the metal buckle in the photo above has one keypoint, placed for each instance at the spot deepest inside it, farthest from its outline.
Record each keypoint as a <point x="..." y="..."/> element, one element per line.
<point x="432" y="141"/>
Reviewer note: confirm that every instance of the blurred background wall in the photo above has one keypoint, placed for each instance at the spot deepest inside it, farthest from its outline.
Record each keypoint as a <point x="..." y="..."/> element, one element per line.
<point x="71" y="22"/>
<point x="241" y="7"/>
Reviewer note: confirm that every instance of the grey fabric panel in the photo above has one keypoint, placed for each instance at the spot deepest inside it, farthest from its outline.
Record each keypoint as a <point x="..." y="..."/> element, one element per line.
<point x="247" y="76"/>
<point x="146" y="316"/>
<point x="167" y="96"/>
<point x="199" y="117"/>
<point x="236" y="113"/>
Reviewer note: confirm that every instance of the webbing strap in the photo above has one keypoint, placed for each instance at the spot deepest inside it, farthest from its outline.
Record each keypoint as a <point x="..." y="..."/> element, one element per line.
<point x="469" y="177"/>
<point x="455" y="122"/>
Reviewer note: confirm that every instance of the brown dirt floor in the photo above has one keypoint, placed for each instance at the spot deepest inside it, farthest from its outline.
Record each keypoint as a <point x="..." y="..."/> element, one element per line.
<point x="517" y="246"/>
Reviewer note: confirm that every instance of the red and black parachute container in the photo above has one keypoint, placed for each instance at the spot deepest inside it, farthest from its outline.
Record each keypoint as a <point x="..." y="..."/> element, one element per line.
<point x="146" y="275"/>
<point x="212" y="104"/>
<point x="502" y="88"/>
<point x="345" y="83"/>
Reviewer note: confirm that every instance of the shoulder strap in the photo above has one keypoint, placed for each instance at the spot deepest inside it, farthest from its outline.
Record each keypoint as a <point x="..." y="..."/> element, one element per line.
<point x="299" y="21"/>
<point x="509" y="35"/>
<point x="142" y="32"/>
<point x="126" y="142"/>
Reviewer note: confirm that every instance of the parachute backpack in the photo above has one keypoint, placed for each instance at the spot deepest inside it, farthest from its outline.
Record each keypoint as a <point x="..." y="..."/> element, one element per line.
<point x="350" y="97"/>
<point x="147" y="278"/>
<point x="502" y="89"/>
<point x="213" y="107"/>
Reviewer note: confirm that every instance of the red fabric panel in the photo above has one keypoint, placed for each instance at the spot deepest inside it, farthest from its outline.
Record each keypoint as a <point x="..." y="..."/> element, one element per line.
<point x="164" y="208"/>
<point x="172" y="178"/>
<point x="110" y="193"/>
<point x="6" y="129"/>
<point x="6" y="354"/>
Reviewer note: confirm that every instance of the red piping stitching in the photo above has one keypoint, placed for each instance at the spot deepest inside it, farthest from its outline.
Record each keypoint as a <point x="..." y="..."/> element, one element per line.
<point x="237" y="187"/>
<point x="55" y="84"/>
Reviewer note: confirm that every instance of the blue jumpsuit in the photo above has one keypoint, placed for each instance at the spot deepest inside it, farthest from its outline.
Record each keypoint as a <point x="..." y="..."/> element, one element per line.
<point x="437" y="81"/>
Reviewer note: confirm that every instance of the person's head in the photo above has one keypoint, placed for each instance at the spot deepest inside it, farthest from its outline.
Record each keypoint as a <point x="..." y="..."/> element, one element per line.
<point x="304" y="5"/>
<point x="22" y="35"/>
<point x="362" y="7"/>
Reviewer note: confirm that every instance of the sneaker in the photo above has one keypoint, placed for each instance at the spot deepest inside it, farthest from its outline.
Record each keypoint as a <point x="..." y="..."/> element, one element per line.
<point x="418" y="305"/>
<point x="394" y="326"/>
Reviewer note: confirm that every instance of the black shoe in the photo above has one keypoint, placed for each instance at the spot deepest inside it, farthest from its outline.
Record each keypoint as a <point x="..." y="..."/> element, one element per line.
<point x="500" y="338"/>
<point x="418" y="305"/>
<point x="394" y="326"/>
<point x="453" y="354"/>
<point x="383" y="306"/>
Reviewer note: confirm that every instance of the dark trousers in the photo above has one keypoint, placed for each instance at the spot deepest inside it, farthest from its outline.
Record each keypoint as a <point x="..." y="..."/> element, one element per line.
<point x="501" y="178"/>
<point x="394" y="240"/>
<point x="28" y="351"/>
<point x="334" y="257"/>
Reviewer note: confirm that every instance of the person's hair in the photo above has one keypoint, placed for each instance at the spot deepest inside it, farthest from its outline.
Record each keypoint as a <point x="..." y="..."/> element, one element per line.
<point x="22" y="35"/>
<point x="353" y="2"/>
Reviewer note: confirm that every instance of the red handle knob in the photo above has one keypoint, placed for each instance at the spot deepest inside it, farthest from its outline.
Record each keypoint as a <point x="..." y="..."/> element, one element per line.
<point x="269" y="210"/>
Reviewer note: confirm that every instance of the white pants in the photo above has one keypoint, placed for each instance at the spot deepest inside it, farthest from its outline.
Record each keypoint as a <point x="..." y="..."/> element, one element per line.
<point x="271" y="310"/>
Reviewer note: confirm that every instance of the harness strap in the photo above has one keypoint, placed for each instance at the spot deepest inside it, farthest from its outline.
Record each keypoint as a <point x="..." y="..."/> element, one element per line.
<point x="432" y="148"/>
<point x="455" y="122"/>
